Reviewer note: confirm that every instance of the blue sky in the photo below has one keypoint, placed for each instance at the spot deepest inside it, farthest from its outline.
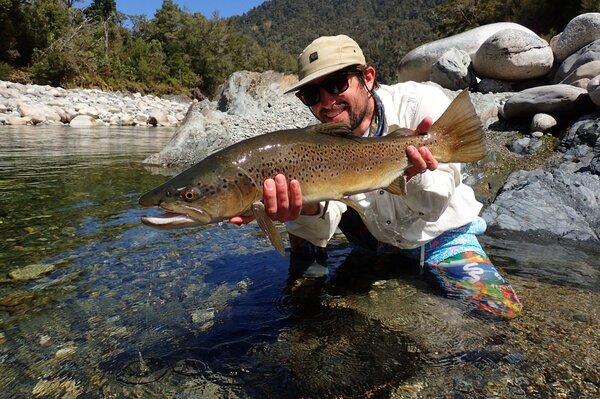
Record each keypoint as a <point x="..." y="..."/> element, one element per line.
<point x="226" y="8"/>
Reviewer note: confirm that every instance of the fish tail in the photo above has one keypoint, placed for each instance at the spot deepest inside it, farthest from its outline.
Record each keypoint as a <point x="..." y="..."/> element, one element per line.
<point x="458" y="134"/>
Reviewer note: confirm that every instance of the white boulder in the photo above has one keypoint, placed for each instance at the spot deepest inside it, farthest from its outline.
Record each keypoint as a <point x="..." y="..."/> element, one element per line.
<point x="513" y="55"/>
<point x="416" y="64"/>
<point x="581" y="30"/>
<point x="83" y="121"/>
<point x="593" y="88"/>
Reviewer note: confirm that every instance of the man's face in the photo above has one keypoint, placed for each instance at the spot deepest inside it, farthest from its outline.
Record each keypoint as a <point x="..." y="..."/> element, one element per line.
<point x="353" y="105"/>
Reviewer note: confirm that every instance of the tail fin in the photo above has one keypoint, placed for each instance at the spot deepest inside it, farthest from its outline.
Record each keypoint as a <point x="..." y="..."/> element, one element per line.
<point x="459" y="132"/>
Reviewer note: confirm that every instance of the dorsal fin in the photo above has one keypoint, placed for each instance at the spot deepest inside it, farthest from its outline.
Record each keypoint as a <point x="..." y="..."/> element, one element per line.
<point x="340" y="129"/>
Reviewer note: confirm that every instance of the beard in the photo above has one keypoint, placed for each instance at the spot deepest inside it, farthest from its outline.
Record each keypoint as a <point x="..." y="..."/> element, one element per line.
<point x="356" y="111"/>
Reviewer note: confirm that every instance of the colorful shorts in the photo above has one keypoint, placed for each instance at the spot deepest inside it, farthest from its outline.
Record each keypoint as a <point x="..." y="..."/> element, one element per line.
<point x="455" y="260"/>
<point x="461" y="268"/>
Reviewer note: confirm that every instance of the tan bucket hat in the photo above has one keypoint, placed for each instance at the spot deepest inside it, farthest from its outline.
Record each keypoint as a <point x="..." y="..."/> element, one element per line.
<point x="325" y="55"/>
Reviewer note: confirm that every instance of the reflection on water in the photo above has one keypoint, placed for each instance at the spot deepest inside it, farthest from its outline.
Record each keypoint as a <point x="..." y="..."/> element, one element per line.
<point x="112" y="308"/>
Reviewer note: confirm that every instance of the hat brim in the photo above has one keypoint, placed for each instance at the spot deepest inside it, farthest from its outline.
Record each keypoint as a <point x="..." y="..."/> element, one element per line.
<point x="316" y="75"/>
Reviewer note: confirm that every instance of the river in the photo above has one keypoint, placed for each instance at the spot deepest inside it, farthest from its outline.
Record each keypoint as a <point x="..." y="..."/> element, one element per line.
<point x="95" y="304"/>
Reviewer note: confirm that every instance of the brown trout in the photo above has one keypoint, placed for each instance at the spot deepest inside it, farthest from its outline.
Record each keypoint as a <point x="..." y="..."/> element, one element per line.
<point x="329" y="162"/>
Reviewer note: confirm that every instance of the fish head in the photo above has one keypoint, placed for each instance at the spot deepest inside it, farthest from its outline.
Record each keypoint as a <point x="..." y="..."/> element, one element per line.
<point x="198" y="197"/>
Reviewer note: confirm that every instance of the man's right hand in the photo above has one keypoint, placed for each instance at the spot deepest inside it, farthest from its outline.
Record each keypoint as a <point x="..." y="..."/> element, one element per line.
<point x="283" y="202"/>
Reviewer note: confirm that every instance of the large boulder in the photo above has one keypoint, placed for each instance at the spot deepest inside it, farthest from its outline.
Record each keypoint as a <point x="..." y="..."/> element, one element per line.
<point x="83" y="121"/>
<point x="416" y="65"/>
<point x="593" y="88"/>
<point x="586" y="54"/>
<point x="584" y="72"/>
<point x="246" y="92"/>
<point x="251" y="104"/>
<point x="555" y="203"/>
<point x="37" y="112"/>
<point x="553" y="99"/>
<point x="200" y="134"/>
<point x="581" y="30"/>
<point x="453" y="70"/>
<point x="511" y="54"/>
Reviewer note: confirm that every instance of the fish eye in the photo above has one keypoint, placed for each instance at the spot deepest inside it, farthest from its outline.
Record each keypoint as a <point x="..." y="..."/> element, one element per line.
<point x="189" y="195"/>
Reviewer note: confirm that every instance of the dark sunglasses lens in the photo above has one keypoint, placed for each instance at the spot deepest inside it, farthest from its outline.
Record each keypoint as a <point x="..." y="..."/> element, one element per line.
<point x="309" y="95"/>
<point x="336" y="84"/>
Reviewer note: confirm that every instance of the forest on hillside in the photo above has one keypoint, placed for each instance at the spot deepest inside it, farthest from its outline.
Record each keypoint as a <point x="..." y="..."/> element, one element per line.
<point x="57" y="42"/>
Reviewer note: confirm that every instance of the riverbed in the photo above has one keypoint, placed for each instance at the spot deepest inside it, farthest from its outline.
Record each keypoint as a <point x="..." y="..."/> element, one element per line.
<point x="95" y="304"/>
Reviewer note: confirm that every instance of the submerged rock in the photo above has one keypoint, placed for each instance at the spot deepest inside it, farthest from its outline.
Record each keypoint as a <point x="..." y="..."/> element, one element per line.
<point x="31" y="272"/>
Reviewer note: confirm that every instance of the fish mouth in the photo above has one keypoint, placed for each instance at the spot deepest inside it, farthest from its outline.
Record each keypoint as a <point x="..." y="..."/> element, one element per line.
<point x="177" y="216"/>
<point x="169" y="220"/>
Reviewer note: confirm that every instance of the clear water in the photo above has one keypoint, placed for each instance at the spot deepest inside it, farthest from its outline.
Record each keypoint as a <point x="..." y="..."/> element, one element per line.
<point x="124" y="310"/>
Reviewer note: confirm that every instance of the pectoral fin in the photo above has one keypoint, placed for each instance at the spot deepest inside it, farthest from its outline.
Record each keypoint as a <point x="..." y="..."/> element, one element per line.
<point x="398" y="186"/>
<point x="267" y="226"/>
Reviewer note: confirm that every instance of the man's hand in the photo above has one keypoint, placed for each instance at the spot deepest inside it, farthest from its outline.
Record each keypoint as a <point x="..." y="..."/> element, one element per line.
<point x="283" y="202"/>
<point x="421" y="159"/>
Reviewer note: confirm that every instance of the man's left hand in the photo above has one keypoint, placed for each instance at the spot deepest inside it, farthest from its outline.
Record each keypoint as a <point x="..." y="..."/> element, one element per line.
<point x="421" y="159"/>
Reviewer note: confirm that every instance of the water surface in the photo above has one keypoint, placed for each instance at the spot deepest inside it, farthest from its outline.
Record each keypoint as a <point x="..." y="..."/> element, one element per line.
<point x="123" y="310"/>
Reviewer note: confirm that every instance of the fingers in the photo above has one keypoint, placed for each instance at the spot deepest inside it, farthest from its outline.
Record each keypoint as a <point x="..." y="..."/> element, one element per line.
<point x="427" y="156"/>
<point x="283" y="202"/>
<point x="270" y="198"/>
<point x="295" y="200"/>
<point x="425" y="125"/>
<point x="240" y="220"/>
<point x="421" y="160"/>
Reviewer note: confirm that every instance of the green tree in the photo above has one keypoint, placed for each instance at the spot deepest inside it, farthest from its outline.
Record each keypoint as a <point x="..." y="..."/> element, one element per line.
<point x="545" y="17"/>
<point x="49" y="20"/>
<point x="11" y="21"/>
<point x="590" y="6"/>
<point x="101" y="9"/>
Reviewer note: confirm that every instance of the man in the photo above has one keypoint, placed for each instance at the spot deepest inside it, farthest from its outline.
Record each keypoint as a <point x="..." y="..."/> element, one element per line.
<point x="435" y="222"/>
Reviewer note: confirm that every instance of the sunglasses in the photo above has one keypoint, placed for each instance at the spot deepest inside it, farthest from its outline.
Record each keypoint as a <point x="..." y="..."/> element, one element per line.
<point x="336" y="84"/>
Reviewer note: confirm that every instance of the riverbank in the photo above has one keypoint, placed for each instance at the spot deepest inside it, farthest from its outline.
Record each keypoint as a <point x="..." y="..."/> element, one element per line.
<point x="36" y="104"/>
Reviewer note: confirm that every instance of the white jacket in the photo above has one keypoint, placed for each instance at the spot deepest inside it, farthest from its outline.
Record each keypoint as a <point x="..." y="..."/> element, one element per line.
<point x="435" y="202"/>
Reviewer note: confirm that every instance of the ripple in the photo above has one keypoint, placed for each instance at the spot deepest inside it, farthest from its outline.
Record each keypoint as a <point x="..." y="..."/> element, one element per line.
<point x="142" y="371"/>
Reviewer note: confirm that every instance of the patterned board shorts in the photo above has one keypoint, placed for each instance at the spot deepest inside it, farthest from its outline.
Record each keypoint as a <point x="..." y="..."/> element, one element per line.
<point x="449" y="244"/>
<point x="460" y="266"/>
<point x="455" y="260"/>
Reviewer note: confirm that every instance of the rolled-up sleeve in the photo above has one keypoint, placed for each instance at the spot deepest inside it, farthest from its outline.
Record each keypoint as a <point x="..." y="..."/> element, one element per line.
<point x="320" y="228"/>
